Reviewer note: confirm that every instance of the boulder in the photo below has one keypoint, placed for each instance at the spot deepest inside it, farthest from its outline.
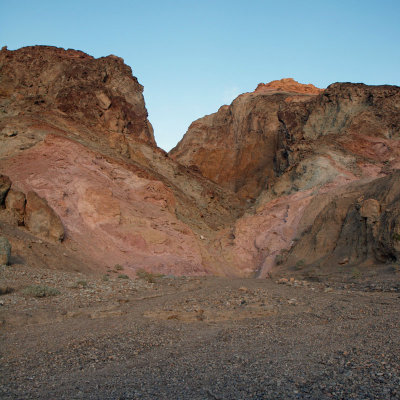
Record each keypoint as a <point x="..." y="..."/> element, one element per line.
<point x="5" y="184"/>
<point x="40" y="218"/>
<point x="5" y="251"/>
<point x="371" y="210"/>
<point x="15" y="203"/>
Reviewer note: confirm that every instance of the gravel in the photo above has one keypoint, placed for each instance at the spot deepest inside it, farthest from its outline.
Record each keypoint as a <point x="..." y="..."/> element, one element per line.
<point x="196" y="338"/>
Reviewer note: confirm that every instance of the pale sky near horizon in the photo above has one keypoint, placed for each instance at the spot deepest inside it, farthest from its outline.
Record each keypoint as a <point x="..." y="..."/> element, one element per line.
<point x="194" y="56"/>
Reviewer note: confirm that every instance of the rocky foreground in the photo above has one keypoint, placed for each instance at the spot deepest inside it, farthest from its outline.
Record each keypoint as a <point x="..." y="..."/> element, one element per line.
<point x="166" y="337"/>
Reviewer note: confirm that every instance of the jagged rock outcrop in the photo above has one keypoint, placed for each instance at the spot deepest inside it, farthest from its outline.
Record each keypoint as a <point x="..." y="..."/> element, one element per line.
<point x="360" y="225"/>
<point x="236" y="147"/>
<point x="312" y="144"/>
<point x="288" y="85"/>
<point x="120" y="199"/>
<point x="96" y="93"/>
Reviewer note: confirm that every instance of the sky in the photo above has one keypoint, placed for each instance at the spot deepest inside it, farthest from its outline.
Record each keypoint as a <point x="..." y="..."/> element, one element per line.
<point x="193" y="56"/>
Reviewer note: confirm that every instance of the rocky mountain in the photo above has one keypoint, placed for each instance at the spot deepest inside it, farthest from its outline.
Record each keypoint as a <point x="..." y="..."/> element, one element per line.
<point x="287" y="176"/>
<point x="298" y="154"/>
<point x="74" y="131"/>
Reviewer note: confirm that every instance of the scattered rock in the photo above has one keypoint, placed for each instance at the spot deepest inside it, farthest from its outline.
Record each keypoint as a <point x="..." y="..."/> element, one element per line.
<point x="344" y="261"/>
<point x="10" y="133"/>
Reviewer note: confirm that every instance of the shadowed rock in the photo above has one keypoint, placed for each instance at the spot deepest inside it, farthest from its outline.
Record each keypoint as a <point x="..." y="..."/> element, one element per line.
<point x="5" y="184"/>
<point x="41" y="220"/>
<point x="15" y="203"/>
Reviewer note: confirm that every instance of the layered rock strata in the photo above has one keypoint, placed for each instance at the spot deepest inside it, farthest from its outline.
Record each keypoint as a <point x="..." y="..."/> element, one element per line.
<point x="286" y="174"/>
<point x="294" y="148"/>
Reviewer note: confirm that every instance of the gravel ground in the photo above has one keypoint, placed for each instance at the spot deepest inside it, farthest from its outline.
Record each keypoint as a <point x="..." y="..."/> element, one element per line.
<point x="197" y="338"/>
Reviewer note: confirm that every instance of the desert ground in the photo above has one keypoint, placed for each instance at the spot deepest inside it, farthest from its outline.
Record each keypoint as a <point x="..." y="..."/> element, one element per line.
<point x="168" y="337"/>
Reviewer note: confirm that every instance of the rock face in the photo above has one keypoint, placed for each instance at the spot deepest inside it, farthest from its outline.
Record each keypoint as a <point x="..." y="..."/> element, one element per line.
<point x="41" y="220"/>
<point x="311" y="145"/>
<point x="362" y="224"/>
<point x="237" y="146"/>
<point x="284" y="175"/>
<point x="5" y="251"/>
<point x="288" y="85"/>
<point x="91" y="92"/>
<point x="75" y="132"/>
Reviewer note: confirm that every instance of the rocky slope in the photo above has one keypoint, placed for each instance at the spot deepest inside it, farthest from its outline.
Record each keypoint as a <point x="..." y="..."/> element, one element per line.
<point x="294" y="151"/>
<point x="288" y="176"/>
<point x="75" y="132"/>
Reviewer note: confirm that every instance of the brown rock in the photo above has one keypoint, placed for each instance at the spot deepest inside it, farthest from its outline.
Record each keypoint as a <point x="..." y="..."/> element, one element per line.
<point x="5" y="184"/>
<point x="339" y="235"/>
<point x="41" y="220"/>
<point x="371" y="210"/>
<point x="104" y="101"/>
<point x="15" y="203"/>
<point x="77" y="85"/>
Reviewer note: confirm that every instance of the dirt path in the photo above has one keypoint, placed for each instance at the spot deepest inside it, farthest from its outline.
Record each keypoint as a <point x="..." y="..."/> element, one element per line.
<point x="195" y="338"/>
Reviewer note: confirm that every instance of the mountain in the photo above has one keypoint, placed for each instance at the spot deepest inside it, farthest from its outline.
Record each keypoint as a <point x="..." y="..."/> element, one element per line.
<point x="295" y="152"/>
<point x="74" y="130"/>
<point x="287" y="176"/>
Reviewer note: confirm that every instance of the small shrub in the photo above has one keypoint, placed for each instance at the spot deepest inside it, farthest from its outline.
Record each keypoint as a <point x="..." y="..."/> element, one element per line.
<point x="300" y="264"/>
<point x="396" y="268"/>
<point x="79" y="284"/>
<point x="356" y="273"/>
<point x="105" y="278"/>
<point x="396" y="237"/>
<point x="147" y="276"/>
<point x="40" y="291"/>
<point x="118" y="267"/>
<point x="123" y="276"/>
<point x="6" y="290"/>
<point x="279" y="259"/>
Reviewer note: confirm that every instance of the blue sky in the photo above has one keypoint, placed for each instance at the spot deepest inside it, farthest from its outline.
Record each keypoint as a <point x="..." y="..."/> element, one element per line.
<point x="193" y="56"/>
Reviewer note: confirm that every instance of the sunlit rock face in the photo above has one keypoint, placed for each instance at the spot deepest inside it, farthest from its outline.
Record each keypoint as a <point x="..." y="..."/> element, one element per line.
<point x="236" y="147"/>
<point x="291" y="148"/>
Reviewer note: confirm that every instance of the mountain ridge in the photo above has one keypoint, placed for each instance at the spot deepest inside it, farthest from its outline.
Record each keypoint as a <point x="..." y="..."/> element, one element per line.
<point x="239" y="195"/>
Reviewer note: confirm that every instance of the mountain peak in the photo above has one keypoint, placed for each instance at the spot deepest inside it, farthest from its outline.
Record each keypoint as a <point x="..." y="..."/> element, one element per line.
<point x="288" y="85"/>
